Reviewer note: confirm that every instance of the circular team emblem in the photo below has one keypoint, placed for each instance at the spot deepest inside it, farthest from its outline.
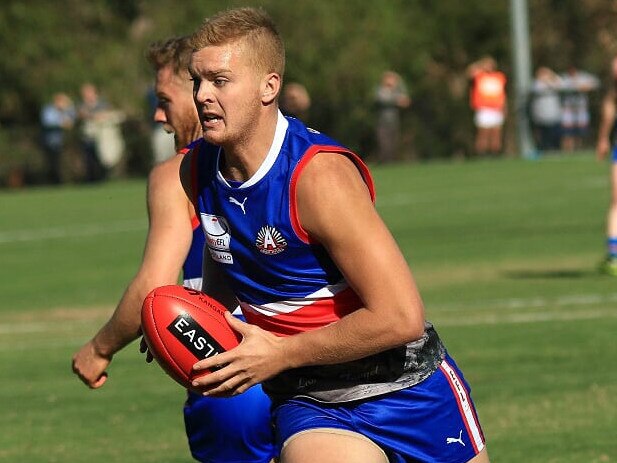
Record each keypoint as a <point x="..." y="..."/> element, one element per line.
<point x="270" y="241"/>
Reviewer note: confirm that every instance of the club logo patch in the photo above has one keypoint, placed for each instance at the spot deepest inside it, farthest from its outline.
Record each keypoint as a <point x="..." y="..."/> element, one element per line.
<point x="218" y="237"/>
<point x="270" y="241"/>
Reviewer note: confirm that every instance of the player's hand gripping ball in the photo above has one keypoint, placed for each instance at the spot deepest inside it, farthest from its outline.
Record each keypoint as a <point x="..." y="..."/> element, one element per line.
<point x="182" y="326"/>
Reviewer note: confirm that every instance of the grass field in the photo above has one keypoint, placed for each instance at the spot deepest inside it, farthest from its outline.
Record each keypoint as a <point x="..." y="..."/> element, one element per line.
<point x="504" y="253"/>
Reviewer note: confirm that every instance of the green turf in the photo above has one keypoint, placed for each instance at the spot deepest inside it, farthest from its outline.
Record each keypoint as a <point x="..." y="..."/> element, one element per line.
<point x="504" y="253"/>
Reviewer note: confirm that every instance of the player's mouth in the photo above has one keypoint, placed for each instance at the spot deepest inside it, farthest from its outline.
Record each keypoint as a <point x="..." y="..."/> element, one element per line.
<point x="210" y="121"/>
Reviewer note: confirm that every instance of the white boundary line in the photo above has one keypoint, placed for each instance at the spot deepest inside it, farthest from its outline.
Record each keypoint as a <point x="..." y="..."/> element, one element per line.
<point x="72" y="331"/>
<point x="67" y="325"/>
<point x="73" y="231"/>
<point x="72" y="338"/>
<point x="532" y="303"/>
<point x="531" y="317"/>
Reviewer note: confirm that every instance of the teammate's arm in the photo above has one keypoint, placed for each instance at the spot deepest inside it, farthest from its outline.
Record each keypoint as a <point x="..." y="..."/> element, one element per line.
<point x="607" y="119"/>
<point x="167" y="244"/>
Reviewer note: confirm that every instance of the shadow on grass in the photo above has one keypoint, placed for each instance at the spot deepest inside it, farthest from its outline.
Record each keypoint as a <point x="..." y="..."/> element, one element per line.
<point x="551" y="273"/>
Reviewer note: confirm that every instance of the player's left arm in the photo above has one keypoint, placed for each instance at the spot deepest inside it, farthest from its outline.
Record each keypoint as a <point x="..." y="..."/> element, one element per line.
<point x="335" y="208"/>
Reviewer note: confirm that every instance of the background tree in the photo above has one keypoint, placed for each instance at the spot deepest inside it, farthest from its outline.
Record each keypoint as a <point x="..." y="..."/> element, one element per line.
<point x="337" y="49"/>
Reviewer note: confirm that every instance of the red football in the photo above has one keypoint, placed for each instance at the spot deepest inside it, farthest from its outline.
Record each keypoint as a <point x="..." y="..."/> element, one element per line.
<point x="183" y="325"/>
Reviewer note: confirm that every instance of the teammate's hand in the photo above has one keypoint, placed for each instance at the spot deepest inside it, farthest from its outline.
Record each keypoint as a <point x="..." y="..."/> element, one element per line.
<point x="259" y="356"/>
<point x="90" y="366"/>
<point x="143" y="348"/>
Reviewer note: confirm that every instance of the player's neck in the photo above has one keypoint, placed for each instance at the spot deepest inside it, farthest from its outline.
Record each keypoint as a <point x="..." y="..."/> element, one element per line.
<point x="243" y="158"/>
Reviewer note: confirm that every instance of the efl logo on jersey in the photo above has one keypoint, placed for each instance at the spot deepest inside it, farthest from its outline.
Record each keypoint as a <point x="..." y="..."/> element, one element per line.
<point x="216" y="229"/>
<point x="270" y="241"/>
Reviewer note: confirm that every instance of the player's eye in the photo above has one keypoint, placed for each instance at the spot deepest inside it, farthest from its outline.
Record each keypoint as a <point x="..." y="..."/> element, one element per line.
<point x="196" y="83"/>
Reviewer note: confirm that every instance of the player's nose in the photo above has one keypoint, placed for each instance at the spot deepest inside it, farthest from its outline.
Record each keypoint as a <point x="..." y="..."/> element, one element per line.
<point x="203" y="93"/>
<point x="159" y="115"/>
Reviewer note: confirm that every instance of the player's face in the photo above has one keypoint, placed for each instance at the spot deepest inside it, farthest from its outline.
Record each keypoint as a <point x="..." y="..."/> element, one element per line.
<point x="175" y="108"/>
<point x="227" y="93"/>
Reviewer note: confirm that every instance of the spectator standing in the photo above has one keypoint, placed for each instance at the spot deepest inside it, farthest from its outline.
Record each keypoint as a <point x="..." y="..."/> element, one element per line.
<point x="606" y="144"/>
<point x="546" y="108"/>
<point x="575" y="107"/>
<point x="488" y="100"/>
<point x="390" y="98"/>
<point x="57" y="117"/>
<point x="92" y="110"/>
<point x="295" y="101"/>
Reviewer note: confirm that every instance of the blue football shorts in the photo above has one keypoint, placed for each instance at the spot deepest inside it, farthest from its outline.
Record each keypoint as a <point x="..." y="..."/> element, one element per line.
<point x="434" y="420"/>
<point x="238" y="429"/>
<point x="614" y="153"/>
<point x="234" y="430"/>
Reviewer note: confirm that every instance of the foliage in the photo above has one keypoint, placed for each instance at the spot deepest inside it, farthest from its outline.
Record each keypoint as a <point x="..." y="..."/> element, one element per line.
<point x="337" y="49"/>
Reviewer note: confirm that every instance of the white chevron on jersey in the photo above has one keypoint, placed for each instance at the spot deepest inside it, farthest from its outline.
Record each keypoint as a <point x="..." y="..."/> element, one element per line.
<point x="291" y="305"/>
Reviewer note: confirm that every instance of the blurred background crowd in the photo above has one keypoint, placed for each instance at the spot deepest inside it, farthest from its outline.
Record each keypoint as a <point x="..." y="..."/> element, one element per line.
<point x="403" y="81"/>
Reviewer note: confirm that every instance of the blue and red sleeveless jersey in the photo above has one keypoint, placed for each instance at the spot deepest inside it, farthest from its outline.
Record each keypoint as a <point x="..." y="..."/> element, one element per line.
<point x="285" y="282"/>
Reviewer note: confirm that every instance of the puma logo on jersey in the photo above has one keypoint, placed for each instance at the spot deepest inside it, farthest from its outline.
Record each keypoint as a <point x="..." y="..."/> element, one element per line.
<point x="453" y="440"/>
<point x="270" y="241"/>
<point x="238" y="203"/>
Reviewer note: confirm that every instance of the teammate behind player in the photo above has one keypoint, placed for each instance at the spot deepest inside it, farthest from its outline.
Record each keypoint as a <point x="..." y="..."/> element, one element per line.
<point x="337" y="330"/>
<point x="217" y="430"/>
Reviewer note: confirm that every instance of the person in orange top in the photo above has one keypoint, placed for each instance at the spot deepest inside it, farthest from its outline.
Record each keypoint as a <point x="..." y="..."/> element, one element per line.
<point x="488" y="100"/>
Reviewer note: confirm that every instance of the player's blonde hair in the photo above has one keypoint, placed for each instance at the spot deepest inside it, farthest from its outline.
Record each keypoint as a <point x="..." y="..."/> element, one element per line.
<point x="254" y="28"/>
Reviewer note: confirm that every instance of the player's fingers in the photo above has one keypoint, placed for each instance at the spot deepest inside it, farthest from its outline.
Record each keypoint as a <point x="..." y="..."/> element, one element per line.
<point x="84" y="379"/>
<point x="100" y="381"/>
<point x="244" y="386"/>
<point x="79" y="374"/>
<point x="218" y="374"/>
<point x="235" y="323"/>
<point x="234" y="386"/>
<point x="143" y="348"/>
<point x="214" y="362"/>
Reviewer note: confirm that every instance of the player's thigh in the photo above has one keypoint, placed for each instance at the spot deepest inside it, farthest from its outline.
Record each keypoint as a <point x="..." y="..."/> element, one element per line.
<point x="481" y="457"/>
<point x="331" y="446"/>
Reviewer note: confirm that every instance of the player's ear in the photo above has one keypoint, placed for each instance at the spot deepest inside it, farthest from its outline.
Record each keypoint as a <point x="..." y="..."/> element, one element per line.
<point x="271" y="87"/>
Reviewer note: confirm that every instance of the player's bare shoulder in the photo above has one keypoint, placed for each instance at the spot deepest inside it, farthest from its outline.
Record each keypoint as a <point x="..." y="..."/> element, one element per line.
<point x="328" y="172"/>
<point x="164" y="184"/>
<point x="330" y="187"/>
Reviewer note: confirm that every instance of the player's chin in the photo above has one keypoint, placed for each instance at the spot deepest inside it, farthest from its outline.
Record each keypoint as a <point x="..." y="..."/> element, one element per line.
<point x="214" y="135"/>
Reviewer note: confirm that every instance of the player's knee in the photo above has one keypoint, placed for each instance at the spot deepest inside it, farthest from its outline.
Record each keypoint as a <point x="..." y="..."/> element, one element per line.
<point x="481" y="457"/>
<point x="330" y="446"/>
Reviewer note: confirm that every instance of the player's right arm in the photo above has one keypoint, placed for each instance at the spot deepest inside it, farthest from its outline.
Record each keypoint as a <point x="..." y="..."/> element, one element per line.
<point x="167" y="244"/>
<point x="607" y="119"/>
